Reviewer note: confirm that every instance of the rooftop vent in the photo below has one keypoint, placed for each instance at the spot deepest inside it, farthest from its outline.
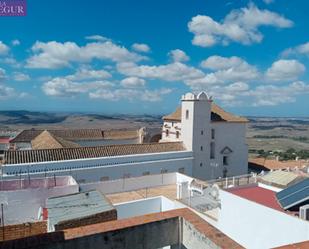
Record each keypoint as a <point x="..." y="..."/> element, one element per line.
<point x="304" y="212"/>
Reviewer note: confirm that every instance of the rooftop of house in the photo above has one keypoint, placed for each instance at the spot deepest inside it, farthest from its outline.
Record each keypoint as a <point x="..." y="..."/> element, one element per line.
<point x="257" y="194"/>
<point x="77" y="134"/>
<point x="272" y="164"/>
<point x="46" y="155"/>
<point x="281" y="179"/>
<point x="46" y="140"/>
<point x="75" y="206"/>
<point x="217" y="115"/>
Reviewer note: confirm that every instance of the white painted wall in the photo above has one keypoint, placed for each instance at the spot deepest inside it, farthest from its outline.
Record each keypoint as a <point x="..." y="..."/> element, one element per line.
<point x="145" y="206"/>
<point x="258" y="227"/>
<point x="92" y="170"/>
<point x="231" y="135"/>
<point x="173" y="127"/>
<point x="226" y="134"/>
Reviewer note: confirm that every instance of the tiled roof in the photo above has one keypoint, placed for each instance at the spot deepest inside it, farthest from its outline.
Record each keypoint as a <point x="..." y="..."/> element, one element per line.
<point x="300" y="245"/>
<point x="78" y="134"/>
<point x="32" y="156"/>
<point x="217" y="114"/>
<point x="48" y="141"/>
<point x="280" y="178"/>
<point x="259" y="195"/>
<point x="271" y="164"/>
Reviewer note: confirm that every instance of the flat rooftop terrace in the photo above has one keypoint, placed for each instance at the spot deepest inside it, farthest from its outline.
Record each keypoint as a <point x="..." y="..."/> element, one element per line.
<point x="169" y="191"/>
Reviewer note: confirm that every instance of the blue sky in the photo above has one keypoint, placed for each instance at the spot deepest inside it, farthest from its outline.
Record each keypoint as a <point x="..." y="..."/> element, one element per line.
<point x="139" y="57"/>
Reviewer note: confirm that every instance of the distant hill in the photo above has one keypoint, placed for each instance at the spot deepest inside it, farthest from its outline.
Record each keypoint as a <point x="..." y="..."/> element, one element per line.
<point x="48" y="120"/>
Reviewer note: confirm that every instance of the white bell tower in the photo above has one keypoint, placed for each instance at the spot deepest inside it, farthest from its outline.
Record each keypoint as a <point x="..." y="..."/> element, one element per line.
<point x="196" y="131"/>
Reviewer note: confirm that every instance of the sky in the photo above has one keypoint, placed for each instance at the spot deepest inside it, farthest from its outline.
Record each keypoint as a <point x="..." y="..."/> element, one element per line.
<point x="139" y="57"/>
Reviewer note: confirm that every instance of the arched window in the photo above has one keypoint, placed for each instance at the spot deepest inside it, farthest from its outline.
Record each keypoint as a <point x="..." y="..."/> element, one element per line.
<point x="187" y="114"/>
<point x="167" y="133"/>
<point x="177" y="134"/>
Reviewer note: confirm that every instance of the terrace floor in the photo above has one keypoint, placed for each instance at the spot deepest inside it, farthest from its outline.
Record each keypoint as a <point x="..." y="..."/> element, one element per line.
<point x="169" y="191"/>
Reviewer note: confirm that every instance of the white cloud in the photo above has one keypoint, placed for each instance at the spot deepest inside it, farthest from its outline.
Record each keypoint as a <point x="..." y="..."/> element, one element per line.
<point x="178" y="55"/>
<point x="132" y="82"/>
<point x="237" y="87"/>
<point x="226" y="70"/>
<point x="89" y="74"/>
<point x="62" y="87"/>
<point x="171" y="72"/>
<point x="239" y="94"/>
<point x="130" y="94"/>
<point x="6" y="92"/>
<point x="301" y="49"/>
<point x="217" y="62"/>
<point x="283" y="70"/>
<point x="15" y="42"/>
<point x="4" y="49"/>
<point x="241" y="25"/>
<point x="57" y="55"/>
<point x="18" y="76"/>
<point x="97" y="38"/>
<point x="141" y="47"/>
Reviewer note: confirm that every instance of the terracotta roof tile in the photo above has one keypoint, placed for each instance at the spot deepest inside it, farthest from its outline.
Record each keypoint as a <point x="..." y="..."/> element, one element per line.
<point x="78" y="134"/>
<point x="217" y="114"/>
<point x="32" y="156"/>
<point x="272" y="164"/>
<point x="48" y="141"/>
<point x="300" y="245"/>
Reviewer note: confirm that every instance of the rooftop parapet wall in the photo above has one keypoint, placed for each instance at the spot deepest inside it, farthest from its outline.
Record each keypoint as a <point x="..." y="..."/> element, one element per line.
<point x="33" y="183"/>
<point x="138" y="232"/>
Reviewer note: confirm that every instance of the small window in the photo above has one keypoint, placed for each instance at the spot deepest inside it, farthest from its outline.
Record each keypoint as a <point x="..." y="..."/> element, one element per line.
<point x="225" y="160"/>
<point x="177" y="134"/>
<point x="187" y="114"/>
<point x="146" y="173"/>
<point x="201" y="148"/>
<point x="212" y="150"/>
<point x="104" y="178"/>
<point x="201" y="164"/>
<point x="212" y="133"/>
<point x="202" y="132"/>
<point x="167" y="132"/>
<point x="181" y="170"/>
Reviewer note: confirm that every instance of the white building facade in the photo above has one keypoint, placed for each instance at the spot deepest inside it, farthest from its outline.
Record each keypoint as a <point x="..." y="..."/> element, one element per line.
<point x="216" y="138"/>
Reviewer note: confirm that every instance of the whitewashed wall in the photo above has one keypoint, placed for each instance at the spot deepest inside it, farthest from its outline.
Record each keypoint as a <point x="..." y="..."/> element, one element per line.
<point x="173" y="127"/>
<point x="231" y="135"/>
<point x="92" y="170"/>
<point x="145" y="206"/>
<point x="258" y="227"/>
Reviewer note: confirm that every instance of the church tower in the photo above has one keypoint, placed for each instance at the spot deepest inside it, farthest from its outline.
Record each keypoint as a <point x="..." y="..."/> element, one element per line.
<point x="196" y="131"/>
